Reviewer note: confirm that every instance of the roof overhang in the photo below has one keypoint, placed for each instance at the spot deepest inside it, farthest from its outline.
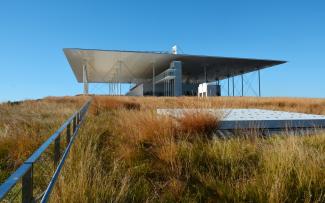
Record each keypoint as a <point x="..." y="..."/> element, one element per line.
<point x="132" y="66"/>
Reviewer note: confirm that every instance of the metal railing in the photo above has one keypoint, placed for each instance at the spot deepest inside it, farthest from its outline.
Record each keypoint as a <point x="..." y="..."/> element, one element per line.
<point x="166" y="75"/>
<point x="25" y="171"/>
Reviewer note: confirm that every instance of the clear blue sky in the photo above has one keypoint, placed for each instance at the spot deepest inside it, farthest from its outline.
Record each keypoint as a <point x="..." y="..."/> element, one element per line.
<point x="33" y="33"/>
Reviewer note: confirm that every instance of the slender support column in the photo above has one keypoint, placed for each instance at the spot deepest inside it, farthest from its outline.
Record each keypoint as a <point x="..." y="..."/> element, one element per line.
<point x="228" y="87"/>
<point x="168" y="87"/>
<point x="167" y="81"/>
<point x="177" y="85"/>
<point x="153" y="79"/>
<point x="259" y="83"/>
<point x="164" y="88"/>
<point x="85" y="78"/>
<point x="171" y="87"/>
<point x="205" y="74"/>
<point x="242" y="85"/>
<point x="119" y="82"/>
<point x="233" y="86"/>
<point x="168" y="93"/>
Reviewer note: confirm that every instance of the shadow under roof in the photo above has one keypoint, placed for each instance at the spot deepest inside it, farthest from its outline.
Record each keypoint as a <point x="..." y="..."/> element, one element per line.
<point x="135" y="66"/>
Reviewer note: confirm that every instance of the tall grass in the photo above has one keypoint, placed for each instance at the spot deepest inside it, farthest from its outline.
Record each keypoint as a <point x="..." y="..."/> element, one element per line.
<point x="126" y="153"/>
<point x="132" y="155"/>
<point x="24" y="126"/>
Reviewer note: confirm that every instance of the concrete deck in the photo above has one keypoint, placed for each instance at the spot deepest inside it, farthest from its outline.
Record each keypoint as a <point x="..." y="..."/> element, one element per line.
<point x="231" y="119"/>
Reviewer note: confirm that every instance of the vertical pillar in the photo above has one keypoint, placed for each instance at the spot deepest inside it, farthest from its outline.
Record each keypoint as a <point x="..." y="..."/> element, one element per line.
<point x="242" y="85"/>
<point x="167" y="87"/>
<point x="228" y="87"/>
<point x="259" y="83"/>
<point x="153" y="80"/>
<point x="119" y="78"/>
<point x="164" y="87"/>
<point x="177" y="86"/>
<point x="205" y="74"/>
<point x="173" y="87"/>
<point x="233" y="86"/>
<point x="85" y="79"/>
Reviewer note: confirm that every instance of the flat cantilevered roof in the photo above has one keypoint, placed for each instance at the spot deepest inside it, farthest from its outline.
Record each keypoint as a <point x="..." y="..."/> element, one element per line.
<point x="134" y="66"/>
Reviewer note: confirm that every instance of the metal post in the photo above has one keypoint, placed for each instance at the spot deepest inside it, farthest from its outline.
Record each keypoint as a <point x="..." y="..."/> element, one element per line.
<point x="242" y="85"/>
<point x="27" y="186"/>
<point x="165" y="89"/>
<point x="68" y="134"/>
<point x="153" y="79"/>
<point x="120" y="87"/>
<point x="168" y="83"/>
<point x="172" y="87"/>
<point x="168" y="87"/>
<point x="205" y="73"/>
<point x="228" y="87"/>
<point x="74" y="124"/>
<point x="85" y="79"/>
<point x="259" y="83"/>
<point x="57" y="151"/>
<point x="233" y="86"/>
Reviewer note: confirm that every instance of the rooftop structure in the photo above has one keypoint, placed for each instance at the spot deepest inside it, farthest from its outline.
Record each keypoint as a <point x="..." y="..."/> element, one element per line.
<point x="156" y="70"/>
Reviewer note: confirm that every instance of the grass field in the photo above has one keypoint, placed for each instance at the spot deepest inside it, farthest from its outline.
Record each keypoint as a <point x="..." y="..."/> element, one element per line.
<point x="24" y="126"/>
<point x="125" y="152"/>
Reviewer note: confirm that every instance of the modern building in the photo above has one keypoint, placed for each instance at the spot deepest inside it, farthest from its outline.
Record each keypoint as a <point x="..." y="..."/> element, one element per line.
<point x="157" y="73"/>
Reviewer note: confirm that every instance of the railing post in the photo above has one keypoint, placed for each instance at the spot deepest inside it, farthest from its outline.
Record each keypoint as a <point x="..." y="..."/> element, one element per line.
<point x="57" y="151"/>
<point x="74" y="125"/>
<point x="79" y="118"/>
<point x="68" y="134"/>
<point x="27" y="186"/>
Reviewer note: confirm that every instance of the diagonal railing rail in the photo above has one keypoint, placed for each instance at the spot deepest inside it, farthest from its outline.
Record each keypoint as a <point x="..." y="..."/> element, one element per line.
<point x="25" y="171"/>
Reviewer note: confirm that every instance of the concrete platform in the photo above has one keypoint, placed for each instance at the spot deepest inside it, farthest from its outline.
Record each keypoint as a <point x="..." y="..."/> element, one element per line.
<point x="232" y="119"/>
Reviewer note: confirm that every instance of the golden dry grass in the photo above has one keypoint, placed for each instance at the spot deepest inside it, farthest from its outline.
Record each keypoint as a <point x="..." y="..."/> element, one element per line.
<point x="126" y="153"/>
<point x="24" y="126"/>
<point x="133" y="155"/>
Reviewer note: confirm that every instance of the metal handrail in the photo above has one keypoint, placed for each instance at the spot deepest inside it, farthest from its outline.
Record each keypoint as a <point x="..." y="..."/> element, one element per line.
<point x="25" y="171"/>
<point x="167" y="74"/>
